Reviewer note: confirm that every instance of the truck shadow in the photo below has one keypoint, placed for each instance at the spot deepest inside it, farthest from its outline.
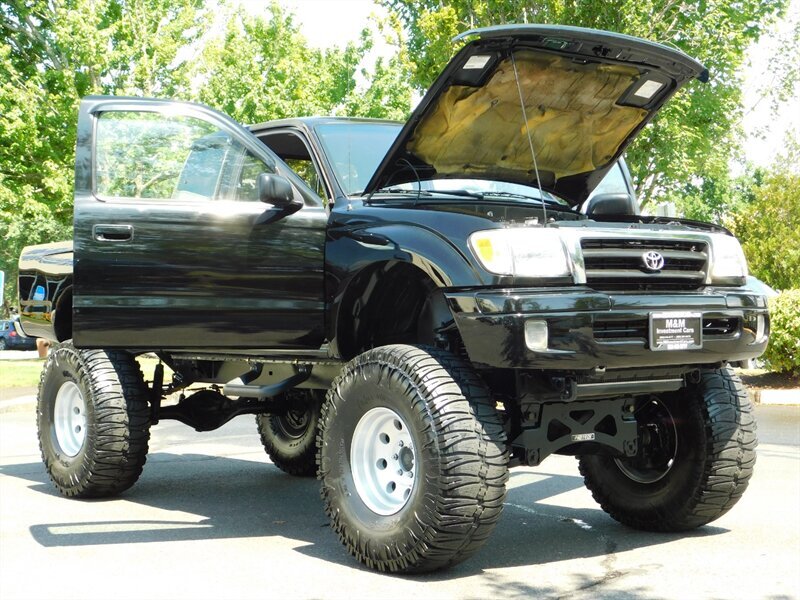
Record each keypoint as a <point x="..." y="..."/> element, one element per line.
<point x="202" y="497"/>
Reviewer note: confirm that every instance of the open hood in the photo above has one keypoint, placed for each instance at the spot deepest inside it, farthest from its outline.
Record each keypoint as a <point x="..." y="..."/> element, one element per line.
<point x="573" y="98"/>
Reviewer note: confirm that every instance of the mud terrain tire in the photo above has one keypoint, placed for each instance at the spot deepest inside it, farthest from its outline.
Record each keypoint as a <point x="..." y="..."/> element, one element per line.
<point x="93" y="421"/>
<point x="712" y="458"/>
<point x="412" y="459"/>
<point x="291" y="439"/>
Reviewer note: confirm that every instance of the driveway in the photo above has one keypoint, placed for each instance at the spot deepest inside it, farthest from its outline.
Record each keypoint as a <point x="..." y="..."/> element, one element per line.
<point x="212" y="518"/>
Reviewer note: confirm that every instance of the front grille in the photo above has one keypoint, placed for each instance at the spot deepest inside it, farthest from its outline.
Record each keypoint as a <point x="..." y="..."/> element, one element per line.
<point x="618" y="264"/>
<point x="613" y="330"/>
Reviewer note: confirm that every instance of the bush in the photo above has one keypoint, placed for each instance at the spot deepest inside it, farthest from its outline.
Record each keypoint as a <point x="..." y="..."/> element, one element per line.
<point x="783" y="352"/>
<point x="767" y="228"/>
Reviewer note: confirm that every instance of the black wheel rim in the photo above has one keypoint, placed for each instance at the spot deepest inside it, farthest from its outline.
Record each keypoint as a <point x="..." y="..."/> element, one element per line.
<point x="658" y="444"/>
<point x="294" y="423"/>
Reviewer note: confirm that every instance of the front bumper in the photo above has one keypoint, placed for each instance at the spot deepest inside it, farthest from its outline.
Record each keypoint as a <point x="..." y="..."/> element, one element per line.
<point x="582" y="325"/>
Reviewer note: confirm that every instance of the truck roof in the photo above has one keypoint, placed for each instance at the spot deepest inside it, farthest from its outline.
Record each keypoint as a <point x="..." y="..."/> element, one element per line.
<point x="310" y="122"/>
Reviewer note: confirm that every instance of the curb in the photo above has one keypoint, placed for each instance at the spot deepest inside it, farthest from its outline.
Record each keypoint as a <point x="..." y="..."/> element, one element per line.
<point x="777" y="397"/>
<point x="21" y="404"/>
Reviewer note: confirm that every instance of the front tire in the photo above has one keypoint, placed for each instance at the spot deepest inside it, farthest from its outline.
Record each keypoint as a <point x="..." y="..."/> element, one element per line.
<point x="290" y="439"/>
<point x="696" y="456"/>
<point x="93" y="421"/>
<point x="412" y="459"/>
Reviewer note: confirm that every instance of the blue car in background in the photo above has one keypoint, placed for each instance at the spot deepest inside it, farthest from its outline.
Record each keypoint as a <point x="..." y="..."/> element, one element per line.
<point x="10" y="339"/>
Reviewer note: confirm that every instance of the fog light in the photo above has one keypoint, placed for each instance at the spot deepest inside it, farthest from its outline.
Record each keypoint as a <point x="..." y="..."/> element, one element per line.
<point x="761" y="329"/>
<point x="536" y="335"/>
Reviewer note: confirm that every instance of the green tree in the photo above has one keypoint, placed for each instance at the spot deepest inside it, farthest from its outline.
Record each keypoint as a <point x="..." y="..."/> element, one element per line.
<point x="783" y="351"/>
<point x="260" y="68"/>
<point x="388" y="92"/>
<point x="768" y="230"/>
<point x="263" y="68"/>
<point x="693" y="137"/>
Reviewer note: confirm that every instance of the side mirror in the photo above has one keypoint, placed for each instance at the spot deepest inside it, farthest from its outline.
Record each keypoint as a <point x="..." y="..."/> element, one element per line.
<point x="612" y="204"/>
<point x="276" y="190"/>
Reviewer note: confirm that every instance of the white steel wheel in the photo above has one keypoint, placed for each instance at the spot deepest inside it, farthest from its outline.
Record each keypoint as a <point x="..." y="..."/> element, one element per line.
<point x="431" y="501"/>
<point x="69" y="419"/>
<point x="383" y="461"/>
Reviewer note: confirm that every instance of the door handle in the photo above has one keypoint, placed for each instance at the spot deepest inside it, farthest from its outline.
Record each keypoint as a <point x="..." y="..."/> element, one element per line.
<point x="113" y="233"/>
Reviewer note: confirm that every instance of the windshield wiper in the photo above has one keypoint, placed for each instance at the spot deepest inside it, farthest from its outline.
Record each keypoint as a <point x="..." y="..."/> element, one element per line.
<point x="467" y="193"/>
<point x="397" y="190"/>
<point x="486" y="196"/>
<point x="552" y="201"/>
<point x="429" y="193"/>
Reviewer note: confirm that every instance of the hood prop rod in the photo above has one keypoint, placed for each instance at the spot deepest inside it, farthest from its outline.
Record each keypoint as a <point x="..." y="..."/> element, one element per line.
<point x="530" y="140"/>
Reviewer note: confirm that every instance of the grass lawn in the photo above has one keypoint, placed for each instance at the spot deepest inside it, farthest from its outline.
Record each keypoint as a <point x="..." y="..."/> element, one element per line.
<point x="20" y="373"/>
<point x="25" y="373"/>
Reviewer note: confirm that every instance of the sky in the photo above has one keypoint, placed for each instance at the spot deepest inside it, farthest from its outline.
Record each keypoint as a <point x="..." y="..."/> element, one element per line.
<point x="328" y="23"/>
<point x="766" y="132"/>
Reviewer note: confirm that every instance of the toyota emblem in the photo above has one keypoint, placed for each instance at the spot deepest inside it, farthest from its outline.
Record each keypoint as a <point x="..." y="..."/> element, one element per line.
<point x="653" y="261"/>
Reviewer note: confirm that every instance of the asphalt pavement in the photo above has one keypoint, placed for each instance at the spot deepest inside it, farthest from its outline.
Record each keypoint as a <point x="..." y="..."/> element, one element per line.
<point x="212" y="518"/>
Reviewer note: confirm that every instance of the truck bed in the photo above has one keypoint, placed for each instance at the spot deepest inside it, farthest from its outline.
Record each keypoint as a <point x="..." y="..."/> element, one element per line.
<point x="45" y="286"/>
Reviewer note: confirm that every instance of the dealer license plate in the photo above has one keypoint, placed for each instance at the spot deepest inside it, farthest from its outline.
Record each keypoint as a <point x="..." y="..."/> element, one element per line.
<point x="674" y="330"/>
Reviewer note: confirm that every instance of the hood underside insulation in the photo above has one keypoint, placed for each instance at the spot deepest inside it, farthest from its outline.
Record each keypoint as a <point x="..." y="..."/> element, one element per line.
<point x="575" y="121"/>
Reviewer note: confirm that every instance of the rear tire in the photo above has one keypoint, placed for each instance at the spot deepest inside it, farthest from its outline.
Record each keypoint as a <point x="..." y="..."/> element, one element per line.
<point x="413" y="459"/>
<point x="697" y="463"/>
<point x="93" y="421"/>
<point x="290" y="439"/>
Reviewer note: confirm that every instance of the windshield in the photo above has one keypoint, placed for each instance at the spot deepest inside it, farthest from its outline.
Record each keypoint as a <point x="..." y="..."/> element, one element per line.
<point x="355" y="149"/>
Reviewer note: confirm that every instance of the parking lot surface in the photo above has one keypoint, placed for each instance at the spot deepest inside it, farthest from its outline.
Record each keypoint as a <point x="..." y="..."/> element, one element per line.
<point x="212" y="518"/>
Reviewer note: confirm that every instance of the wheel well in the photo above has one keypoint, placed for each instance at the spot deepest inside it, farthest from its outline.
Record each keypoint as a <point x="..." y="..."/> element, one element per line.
<point x="62" y="322"/>
<point x="392" y="303"/>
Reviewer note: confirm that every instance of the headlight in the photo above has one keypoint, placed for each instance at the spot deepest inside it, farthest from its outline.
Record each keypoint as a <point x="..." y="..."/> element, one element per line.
<point x="727" y="259"/>
<point x="522" y="252"/>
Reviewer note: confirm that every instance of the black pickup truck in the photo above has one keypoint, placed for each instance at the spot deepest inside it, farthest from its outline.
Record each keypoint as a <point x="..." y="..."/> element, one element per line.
<point x="408" y="309"/>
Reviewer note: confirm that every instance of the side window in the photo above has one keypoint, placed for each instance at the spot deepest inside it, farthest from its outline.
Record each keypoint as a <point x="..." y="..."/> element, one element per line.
<point x="201" y="173"/>
<point x="305" y="168"/>
<point x="293" y="151"/>
<point x="148" y="155"/>
<point x="246" y="186"/>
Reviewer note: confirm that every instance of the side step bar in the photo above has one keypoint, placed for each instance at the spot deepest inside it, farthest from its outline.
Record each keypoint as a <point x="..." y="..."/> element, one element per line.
<point x="207" y="409"/>
<point x="240" y="386"/>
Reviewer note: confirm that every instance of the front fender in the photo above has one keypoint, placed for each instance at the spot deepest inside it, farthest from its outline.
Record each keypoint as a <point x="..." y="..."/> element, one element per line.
<point x="353" y="253"/>
<point x="445" y="264"/>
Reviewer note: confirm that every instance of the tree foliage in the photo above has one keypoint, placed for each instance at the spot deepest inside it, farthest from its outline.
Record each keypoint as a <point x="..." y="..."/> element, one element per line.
<point x="263" y="68"/>
<point x="52" y="54"/>
<point x="768" y="228"/>
<point x="688" y="145"/>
